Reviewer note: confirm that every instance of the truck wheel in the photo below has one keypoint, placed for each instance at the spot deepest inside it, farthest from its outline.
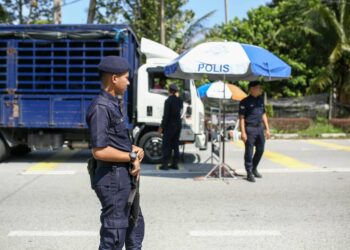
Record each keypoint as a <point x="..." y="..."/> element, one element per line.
<point x="20" y="150"/>
<point x="151" y="143"/>
<point x="4" y="150"/>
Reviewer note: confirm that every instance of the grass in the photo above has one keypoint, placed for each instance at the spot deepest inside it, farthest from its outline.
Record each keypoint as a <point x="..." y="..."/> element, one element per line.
<point x="320" y="126"/>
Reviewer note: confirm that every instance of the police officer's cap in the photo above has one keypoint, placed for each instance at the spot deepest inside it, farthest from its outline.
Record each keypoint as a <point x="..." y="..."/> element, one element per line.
<point x="253" y="84"/>
<point x="173" y="87"/>
<point x="114" y="65"/>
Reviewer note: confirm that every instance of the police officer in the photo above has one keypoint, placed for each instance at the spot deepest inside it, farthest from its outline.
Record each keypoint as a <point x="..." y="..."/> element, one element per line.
<point x="171" y="128"/>
<point x="253" y="120"/>
<point x="118" y="161"/>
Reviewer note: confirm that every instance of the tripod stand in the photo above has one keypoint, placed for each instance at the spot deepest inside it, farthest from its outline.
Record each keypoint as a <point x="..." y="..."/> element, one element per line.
<point x="221" y="170"/>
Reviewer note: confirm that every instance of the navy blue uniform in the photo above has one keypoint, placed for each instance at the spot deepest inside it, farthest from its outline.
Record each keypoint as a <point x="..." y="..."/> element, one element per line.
<point x="252" y="109"/>
<point x="171" y="124"/>
<point x="112" y="181"/>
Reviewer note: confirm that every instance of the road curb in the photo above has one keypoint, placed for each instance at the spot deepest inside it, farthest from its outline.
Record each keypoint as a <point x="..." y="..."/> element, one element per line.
<point x="300" y="136"/>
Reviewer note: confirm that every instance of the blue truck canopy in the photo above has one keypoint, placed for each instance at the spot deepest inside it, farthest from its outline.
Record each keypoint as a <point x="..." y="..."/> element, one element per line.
<point x="48" y="73"/>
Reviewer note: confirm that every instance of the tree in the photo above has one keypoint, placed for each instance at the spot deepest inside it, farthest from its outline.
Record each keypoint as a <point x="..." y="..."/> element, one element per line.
<point x="143" y="16"/>
<point x="330" y="22"/>
<point x="323" y="26"/>
<point x="312" y="36"/>
<point x="3" y="14"/>
<point x="191" y="33"/>
<point x="262" y="27"/>
<point x="27" y="11"/>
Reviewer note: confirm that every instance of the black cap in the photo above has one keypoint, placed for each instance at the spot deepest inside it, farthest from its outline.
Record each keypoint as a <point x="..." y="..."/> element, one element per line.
<point x="114" y="64"/>
<point x="173" y="87"/>
<point x="253" y="84"/>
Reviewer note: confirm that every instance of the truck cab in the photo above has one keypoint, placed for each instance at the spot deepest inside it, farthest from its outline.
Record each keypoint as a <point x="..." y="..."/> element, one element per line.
<point x="151" y="94"/>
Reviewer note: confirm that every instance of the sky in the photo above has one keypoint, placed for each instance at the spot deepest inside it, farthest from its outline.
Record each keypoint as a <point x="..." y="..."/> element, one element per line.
<point x="76" y="12"/>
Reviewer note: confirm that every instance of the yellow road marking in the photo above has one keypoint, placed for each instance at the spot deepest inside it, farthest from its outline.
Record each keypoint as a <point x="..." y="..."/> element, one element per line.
<point x="281" y="159"/>
<point x="328" y="145"/>
<point x="51" y="162"/>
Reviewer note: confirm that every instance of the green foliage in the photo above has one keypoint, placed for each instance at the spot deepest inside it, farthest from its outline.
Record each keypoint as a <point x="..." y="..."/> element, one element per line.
<point x="269" y="110"/>
<point x="320" y="126"/>
<point x="312" y="36"/>
<point x="26" y="11"/>
<point x="144" y="18"/>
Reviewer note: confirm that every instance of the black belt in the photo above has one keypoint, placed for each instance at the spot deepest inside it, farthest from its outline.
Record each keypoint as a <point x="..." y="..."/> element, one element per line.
<point x="257" y="125"/>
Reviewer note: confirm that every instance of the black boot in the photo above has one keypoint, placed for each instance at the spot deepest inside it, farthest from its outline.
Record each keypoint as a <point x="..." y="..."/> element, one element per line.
<point x="250" y="176"/>
<point x="174" y="166"/>
<point x="256" y="173"/>
<point x="164" y="167"/>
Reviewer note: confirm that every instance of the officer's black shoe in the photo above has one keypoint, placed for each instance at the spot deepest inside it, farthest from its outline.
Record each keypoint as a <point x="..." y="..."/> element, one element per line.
<point x="164" y="167"/>
<point x="256" y="173"/>
<point x="250" y="177"/>
<point x="174" y="166"/>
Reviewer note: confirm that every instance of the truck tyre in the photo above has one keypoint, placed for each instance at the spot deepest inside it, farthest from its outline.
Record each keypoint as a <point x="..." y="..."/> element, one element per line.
<point x="4" y="150"/>
<point x="151" y="143"/>
<point x="20" y="150"/>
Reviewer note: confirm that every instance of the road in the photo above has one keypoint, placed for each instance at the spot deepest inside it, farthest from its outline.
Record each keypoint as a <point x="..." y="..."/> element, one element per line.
<point x="302" y="201"/>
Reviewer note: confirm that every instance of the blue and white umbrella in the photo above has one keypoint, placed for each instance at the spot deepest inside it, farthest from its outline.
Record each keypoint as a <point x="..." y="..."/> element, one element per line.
<point x="229" y="61"/>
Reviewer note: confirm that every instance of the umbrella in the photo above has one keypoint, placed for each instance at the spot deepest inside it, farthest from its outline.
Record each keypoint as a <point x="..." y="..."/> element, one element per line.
<point x="228" y="60"/>
<point x="221" y="90"/>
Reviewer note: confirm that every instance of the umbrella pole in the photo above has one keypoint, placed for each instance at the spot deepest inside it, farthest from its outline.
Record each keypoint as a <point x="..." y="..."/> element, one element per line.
<point x="223" y="169"/>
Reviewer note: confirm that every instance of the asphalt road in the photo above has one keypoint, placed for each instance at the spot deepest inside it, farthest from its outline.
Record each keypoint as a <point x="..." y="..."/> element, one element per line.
<point x="302" y="202"/>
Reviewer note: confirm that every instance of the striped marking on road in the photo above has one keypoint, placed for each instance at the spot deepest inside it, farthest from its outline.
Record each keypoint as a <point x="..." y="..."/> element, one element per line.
<point x="51" y="163"/>
<point x="52" y="234"/>
<point x="328" y="145"/>
<point x="282" y="159"/>
<point x="38" y="172"/>
<point x="234" y="233"/>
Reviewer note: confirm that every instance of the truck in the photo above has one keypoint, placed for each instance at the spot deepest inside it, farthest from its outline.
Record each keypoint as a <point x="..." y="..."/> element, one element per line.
<point x="49" y="76"/>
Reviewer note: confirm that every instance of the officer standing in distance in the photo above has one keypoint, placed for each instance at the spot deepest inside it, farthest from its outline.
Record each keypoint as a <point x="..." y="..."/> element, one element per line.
<point x="118" y="161"/>
<point x="252" y="117"/>
<point x="171" y="128"/>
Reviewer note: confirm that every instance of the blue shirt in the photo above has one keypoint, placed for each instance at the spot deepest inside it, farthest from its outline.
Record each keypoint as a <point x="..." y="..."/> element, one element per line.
<point x="252" y="109"/>
<point x="107" y="125"/>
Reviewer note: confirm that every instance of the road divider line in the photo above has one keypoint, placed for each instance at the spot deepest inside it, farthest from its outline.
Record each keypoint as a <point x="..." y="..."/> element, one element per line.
<point x="52" y="233"/>
<point x="50" y="163"/>
<point x="328" y="145"/>
<point x="235" y="233"/>
<point x="282" y="159"/>
<point x="63" y="172"/>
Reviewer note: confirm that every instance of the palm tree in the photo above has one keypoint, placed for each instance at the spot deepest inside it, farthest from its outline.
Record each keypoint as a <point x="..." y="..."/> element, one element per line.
<point x="192" y="33"/>
<point x="332" y="22"/>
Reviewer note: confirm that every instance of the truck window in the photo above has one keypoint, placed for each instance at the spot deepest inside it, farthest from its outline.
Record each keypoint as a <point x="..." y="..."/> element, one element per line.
<point x="158" y="84"/>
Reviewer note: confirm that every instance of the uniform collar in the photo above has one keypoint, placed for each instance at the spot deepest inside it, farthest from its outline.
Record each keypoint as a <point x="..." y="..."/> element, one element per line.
<point x="108" y="96"/>
<point x="253" y="97"/>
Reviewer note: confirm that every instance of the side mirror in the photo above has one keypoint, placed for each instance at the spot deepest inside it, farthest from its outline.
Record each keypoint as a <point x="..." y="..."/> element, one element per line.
<point x="188" y="111"/>
<point x="187" y="96"/>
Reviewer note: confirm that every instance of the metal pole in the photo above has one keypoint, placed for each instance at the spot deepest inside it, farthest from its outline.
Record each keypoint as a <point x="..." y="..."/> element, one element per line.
<point x="226" y="11"/>
<point x="162" y="25"/>
<point x="92" y="9"/>
<point x="57" y="11"/>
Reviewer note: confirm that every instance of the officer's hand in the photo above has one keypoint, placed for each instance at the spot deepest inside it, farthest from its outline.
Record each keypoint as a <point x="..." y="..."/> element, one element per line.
<point x="244" y="137"/>
<point x="136" y="168"/>
<point x="139" y="151"/>
<point x="160" y="130"/>
<point x="267" y="134"/>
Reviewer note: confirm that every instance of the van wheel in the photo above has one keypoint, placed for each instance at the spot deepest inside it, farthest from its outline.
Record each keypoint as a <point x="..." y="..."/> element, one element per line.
<point x="151" y="143"/>
<point x="4" y="150"/>
<point x="20" y="150"/>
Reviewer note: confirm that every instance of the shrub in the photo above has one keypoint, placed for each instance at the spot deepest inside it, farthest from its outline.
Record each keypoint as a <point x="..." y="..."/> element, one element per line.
<point x="290" y="124"/>
<point x="344" y="124"/>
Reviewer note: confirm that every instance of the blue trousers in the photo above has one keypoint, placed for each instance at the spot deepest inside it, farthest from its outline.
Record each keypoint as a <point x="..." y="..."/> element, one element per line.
<point x="113" y="189"/>
<point x="255" y="138"/>
<point x="171" y="138"/>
